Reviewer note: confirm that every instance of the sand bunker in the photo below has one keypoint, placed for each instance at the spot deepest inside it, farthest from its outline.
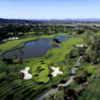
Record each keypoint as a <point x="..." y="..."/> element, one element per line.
<point x="4" y="40"/>
<point x="56" y="71"/>
<point x="82" y="45"/>
<point x="13" y="38"/>
<point x="27" y="75"/>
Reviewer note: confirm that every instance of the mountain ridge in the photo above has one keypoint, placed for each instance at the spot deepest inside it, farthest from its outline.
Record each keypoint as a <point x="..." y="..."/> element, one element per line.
<point x="2" y="20"/>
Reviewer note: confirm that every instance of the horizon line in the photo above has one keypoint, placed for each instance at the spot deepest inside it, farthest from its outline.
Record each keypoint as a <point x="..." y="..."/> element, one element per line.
<point x="49" y="18"/>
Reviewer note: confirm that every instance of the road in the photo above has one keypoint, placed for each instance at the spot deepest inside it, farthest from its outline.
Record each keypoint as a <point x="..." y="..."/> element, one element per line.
<point x="67" y="83"/>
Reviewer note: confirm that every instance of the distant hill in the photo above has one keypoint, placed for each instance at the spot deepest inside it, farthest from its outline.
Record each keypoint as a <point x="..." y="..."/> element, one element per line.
<point x="36" y="21"/>
<point x="18" y="21"/>
<point x="68" y="20"/>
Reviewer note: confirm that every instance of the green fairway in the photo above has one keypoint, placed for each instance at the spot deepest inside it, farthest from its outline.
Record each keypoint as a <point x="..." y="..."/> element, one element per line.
<point x="30" y="49"/>
<point x="54" y="55"/>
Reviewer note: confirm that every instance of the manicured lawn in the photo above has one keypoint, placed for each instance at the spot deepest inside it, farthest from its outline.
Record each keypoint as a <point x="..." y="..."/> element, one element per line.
<point x="30" y="88"/>
<point x="43" y="75"/>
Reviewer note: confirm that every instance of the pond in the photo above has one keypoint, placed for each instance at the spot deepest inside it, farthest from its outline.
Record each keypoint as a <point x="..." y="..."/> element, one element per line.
<point x="34" y="49"/>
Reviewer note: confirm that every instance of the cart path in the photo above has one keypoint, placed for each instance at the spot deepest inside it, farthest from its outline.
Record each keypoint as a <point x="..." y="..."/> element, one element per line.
<point x="67" y="83"/>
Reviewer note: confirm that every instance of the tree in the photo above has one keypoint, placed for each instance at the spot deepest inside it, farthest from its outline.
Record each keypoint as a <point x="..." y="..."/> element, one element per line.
<point x="80" y="51"/>
<point x="21" y="77"/>
<point x="6" y="77"/>
<point x="56" y="40"/>
<point x="70" y="54"/>
<point x="60" y="69"/>
<point x="4" y="59"/>
<point x="86" y="57"/>
<point x="19" y="49"/>
<point x="80" y="31"/>
<point x="61" y="88"/>
<point x="94" y="57"/>
<point x="6" y="62"/>
<point x="50" y="79"/>
<point x="10" y="97"/>
<point x="20" y="61"/>
<point x="20" y="52"/>
<point x="85" y="72"/>
<point x="38" y="72"/>
<point x="14" y="56"/>
<point x="51" y="64"/>
<point x="99" y="68"/>
<point x="79" y="79"/>
<point x="69" y="92"/>
<point x="76" y="79"/>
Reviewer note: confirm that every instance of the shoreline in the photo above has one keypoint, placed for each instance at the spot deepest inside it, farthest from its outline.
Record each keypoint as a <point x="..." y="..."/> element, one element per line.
<point x="54" y="43"/>
<point x="35" y="39"/>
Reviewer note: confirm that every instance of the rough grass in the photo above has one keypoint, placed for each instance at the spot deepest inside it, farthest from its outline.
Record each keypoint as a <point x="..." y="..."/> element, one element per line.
<point x="92" y="91"/>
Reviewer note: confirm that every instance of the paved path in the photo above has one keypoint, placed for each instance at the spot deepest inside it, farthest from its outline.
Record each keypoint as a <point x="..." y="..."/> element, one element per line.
<point x="67" y="83"/>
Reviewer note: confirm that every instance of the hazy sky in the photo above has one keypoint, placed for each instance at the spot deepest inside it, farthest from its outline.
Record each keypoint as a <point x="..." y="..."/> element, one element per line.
<point x="49" y="9"/>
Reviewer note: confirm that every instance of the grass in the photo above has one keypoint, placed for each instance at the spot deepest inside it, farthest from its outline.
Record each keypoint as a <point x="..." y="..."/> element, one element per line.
<point x="92" y="91"/>
<point x="43" y="74"/>
<point x="90" y="52"/>
<point x="30" y="88"/>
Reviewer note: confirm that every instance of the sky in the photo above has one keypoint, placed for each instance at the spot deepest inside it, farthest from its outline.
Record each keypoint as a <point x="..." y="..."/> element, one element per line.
<point x="49" y="9"/>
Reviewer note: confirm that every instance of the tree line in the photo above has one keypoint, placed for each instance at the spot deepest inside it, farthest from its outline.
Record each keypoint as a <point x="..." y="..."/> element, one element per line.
<point x="10" y="30"/>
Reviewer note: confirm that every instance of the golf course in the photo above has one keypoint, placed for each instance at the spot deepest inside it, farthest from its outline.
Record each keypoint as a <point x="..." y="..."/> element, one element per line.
<point x="49" y="67"/>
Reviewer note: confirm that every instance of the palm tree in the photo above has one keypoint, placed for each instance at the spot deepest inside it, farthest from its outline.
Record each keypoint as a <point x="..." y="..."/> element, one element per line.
<point x="20" y="58"/>
<point x="50" y="75"/>
<point x="50" y="79"/>
<point x="3" y="60"/>
<point x="67" y="64"/>
<point x="19" y="51"/>
<point x="6" y="77"/>
<point x="60" y="69"/>
<point x="6" y="62"/>
<point x="20" y="61"/>
<point x="14" y="57"/>
<point x="99" y="68"/>
<point x="21" y="77"/>
<point x="7" y="71"/>
<point x="38" y="72"/>
<point x="9" y="97"/>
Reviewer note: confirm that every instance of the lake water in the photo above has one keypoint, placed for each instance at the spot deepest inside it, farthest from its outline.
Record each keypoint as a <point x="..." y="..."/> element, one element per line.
<point x="37" y="48"/>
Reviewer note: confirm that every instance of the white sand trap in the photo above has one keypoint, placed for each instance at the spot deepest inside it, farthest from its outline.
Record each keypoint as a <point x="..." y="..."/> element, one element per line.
<point x="13" y="38"/>
<point x="4" y="40"/>
<point x="16" y="37"/>
<point x="80" y="45"/>
<point x="9" y="38"/>
<point x="56" y="71"/>
<point x="27" y="75"/>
